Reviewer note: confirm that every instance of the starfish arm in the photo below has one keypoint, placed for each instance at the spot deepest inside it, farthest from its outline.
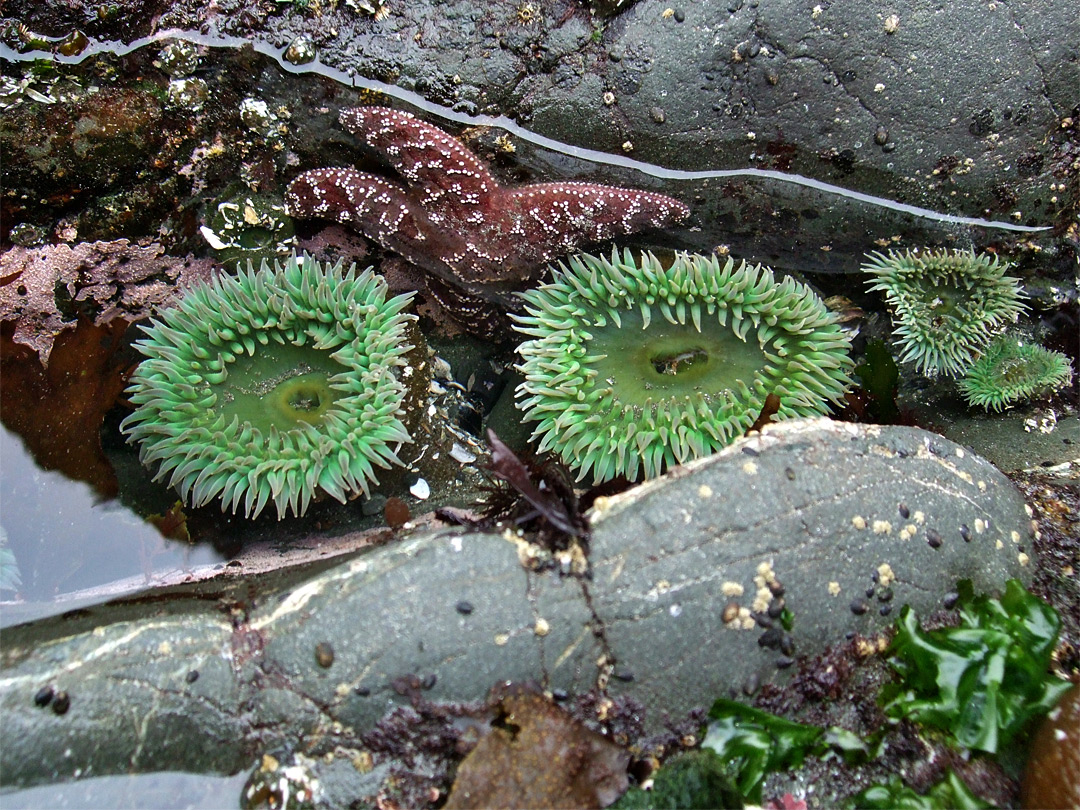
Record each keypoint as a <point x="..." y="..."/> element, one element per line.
<point x="382" y="211"/>
<point x="454" y="220"/>
<point x="547" y="220"/>
<point x="379" y="209"/>
<point x="447" y="179"/>
<point x="473" y="311"/>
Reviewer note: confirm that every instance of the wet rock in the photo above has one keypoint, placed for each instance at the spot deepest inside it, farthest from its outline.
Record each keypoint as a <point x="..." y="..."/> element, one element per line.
<point x="759" y="79"/>
<point x="660" y="594"/>
<point x="826" y="535"/>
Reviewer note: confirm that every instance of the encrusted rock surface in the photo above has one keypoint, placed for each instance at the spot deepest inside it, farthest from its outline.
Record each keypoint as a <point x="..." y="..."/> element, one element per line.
<point x="852" y="521"/>
<point x="968" y="109"/>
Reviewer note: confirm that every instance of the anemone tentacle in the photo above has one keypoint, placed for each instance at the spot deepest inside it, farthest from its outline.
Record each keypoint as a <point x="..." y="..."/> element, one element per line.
<point x="947" y="305"/>
<point x="273" y="385"/>
<point x="1014" y="369"/>
<point x="632" y="367"/>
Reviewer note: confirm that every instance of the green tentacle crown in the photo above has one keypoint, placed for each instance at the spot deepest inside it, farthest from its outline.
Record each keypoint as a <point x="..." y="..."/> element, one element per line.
<point x="633" y="367"/>
<point x="273" y="385"/>
<point x="1014" y="369"/>
<point x="947" y="305"/>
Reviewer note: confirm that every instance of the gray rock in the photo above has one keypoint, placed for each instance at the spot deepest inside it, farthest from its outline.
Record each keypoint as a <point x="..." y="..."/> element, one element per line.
<point x="853" y="521"/>
<point x="832" y="511"/>
<point x="966" y="109"/>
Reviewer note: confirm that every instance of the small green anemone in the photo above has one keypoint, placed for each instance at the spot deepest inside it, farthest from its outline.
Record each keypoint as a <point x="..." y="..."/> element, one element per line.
<point x="249" y="228"/>
<point x="1011" y="370"/>
<point x="633" y="367"/>
<point x="947" y="305"/>
<point x="274" y="385"/>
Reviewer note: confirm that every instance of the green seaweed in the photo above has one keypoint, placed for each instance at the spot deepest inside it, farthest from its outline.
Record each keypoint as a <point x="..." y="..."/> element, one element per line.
<point x="951" y="793"/>
<point x="755" y="743"/>
<point x="982" y="681"/>
<point x="697" y="779"/>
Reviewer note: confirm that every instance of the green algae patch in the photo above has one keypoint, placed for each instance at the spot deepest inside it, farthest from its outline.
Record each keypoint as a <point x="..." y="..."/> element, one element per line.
<point x="984" y="680"/>
<point x="756" y="743"/>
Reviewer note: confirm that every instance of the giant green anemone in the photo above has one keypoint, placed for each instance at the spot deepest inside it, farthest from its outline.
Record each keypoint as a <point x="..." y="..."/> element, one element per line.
<point x="275" y="384"/>
<point x="1013" y="369"/>
<point x="633" y="367"/>
<point x="946" y="305"/>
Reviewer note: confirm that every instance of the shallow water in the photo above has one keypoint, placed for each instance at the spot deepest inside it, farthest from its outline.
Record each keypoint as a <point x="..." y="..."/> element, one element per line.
<point x="73" y="549"/>
<point x="69" y="544"/>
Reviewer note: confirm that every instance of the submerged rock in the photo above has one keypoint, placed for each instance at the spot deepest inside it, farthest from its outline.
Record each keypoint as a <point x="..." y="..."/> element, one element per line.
<point x="716" y="575"/>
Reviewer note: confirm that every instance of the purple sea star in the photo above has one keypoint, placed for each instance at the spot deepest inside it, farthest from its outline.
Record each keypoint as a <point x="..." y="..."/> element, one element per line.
<point x="480" y="240"/>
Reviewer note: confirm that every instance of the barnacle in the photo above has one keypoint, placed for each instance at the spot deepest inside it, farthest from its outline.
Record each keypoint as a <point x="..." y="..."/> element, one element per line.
<point x="632" y="367"/>
<point x="273" y="385"/>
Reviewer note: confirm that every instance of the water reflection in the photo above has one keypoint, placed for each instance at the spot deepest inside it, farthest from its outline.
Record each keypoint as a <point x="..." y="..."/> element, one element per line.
<point x="73" y="549"/>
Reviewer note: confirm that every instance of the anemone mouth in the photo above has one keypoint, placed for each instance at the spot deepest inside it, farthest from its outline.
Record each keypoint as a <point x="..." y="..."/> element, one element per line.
<point x="273" y="385"/>
<point x="1012" y="370"/>
<point x="947" y="305"/>
<point x="633" y="367"/>
<point x="280" y="388"/>
<point x="676" y="361"/>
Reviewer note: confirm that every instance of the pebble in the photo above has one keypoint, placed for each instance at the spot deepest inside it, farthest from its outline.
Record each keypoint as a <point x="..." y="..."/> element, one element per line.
<point x="61" y="703"/>
<point x="751" y="685"/>
<point x="459" y="453"/>
<point x="771" y="639"/>
<point x="420" y="489"/>
<point x="324" y="654"/>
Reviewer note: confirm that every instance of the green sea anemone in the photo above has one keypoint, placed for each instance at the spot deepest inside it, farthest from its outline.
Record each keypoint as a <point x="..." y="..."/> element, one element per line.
<point x="249" y="228"/>
<point x="1013" y="369"/>
<point x="275" y="384"/>
<point x="634" y="367"/>
<point x="946" y="305"/>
